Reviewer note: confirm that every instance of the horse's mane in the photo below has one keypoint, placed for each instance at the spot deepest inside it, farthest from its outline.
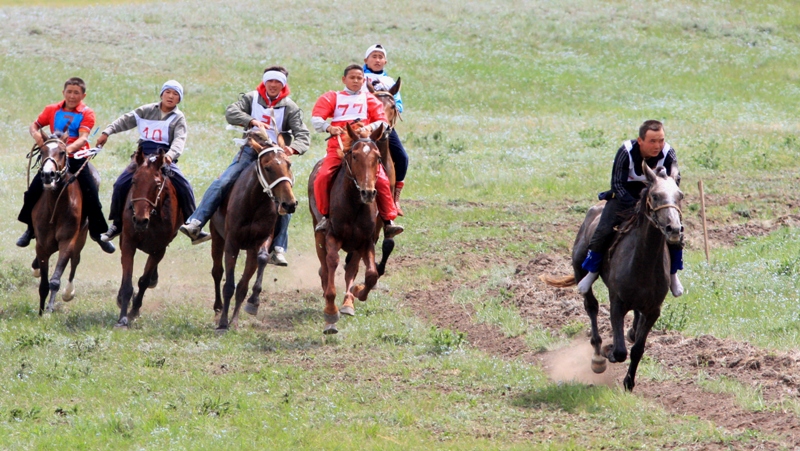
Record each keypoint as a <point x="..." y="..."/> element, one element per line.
<point x="639" y="215"/>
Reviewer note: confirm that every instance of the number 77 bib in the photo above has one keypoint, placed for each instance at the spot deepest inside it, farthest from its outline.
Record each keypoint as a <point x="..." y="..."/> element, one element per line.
<point x="350" y="108"/>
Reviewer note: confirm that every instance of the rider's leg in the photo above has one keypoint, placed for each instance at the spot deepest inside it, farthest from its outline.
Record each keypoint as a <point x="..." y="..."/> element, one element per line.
<point x="119" y="196"/>
<point x="322" y="186"/>
<point x="93" y="209"/>
<point x="386" y="207"/>
<point x="30" y="197"/>
<point x="186" y="202"/>
<point x="676" y="264"/>
<point x="400" y="159"/>
<point x="216" y="192"/>
<point x="280" y="242"/>
<point x="612" y="216"/>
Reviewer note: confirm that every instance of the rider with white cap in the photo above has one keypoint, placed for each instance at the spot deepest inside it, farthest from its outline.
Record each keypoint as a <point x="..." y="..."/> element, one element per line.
<point x="270" y="107"/>
<point x="161" y="126"/>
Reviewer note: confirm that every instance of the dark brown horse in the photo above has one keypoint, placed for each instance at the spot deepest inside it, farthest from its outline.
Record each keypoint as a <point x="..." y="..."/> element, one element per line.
<point x="635" y="270"/>
<point x="58" y="222"/>
<point x="246" y="221"/>
<point x="392" y="114"/>
<point x="353" y="226"/>
<point x="149" y="223"/>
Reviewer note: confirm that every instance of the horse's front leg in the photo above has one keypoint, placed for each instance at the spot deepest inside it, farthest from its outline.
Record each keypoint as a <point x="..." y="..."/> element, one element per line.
<point x="69" y="291"/>
<point x="350" y="273"/>
<point x="231" y="255"/>
<point x="145" y="281"/>
<point x="331" y="312"/>
<point x="637" y="350"/>
<point x="370" y="276"/>
<point x="592" y="307"/>
<point x="251" y="263"/>
<point x="617" y="352"/>
<point x="64" y="255"/>
<point x="217" y="253"/>
<point x="126" y="286"/>
<point x="637" y="323"/>
<point x="263" y="255"/>
<point x="44" y="286"/>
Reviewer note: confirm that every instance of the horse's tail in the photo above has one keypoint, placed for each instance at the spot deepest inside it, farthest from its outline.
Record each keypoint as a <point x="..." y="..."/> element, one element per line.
<point x="560" y="282"/>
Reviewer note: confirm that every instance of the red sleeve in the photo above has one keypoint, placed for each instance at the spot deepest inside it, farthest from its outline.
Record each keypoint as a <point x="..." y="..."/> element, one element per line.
<point x="46" y="117"/>
<point x="325" y="105"/>
<point x="88" y="120"/>
<point x="375" y="109"/>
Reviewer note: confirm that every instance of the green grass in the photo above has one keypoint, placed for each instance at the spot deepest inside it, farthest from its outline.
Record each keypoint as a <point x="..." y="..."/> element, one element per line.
<point x="511" y="124"/>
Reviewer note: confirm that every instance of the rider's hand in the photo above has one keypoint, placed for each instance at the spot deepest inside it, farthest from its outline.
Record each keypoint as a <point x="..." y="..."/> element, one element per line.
<point x="257" y="123"/>
<point x="101" y="140"/>
<point x="167" y="159"/>
<point x="334" y="131"/>
<point x="289" y="151"/>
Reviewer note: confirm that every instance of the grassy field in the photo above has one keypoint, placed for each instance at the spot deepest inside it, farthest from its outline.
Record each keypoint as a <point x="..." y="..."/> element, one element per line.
<point x="514" y="113"/>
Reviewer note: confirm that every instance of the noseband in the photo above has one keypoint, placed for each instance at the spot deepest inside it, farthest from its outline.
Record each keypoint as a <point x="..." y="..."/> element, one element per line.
<point x="350" y="175"/>
<point x="260" y="172"/>
<point x="653" y="210"/>
<point x="158" y="196"/>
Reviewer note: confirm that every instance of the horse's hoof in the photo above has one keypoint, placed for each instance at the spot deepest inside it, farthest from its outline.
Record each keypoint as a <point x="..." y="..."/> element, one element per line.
<point x="355" y="289"/>
<point x="37" y="273"/>
<point x="221" y="330"/>
<point x="598" y="364"/>
<point x="330" y="329"/>
<point x="153" y="284"/>
<point x="251" y="309"/>
<point x="331" y="319"/>
<point x="122" y="324"/>
<point x="69" y="293"/>
<point x="347" y="310"/>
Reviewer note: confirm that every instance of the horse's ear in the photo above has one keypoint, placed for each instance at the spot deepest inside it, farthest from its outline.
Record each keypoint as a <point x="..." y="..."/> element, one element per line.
<point x="45" y="136"/>
<point x="139" y="157"/>
<point x="160" y="158"/>
<point x="396" y="88"/>
<point x="351" y="133"/>
<point x="649" y="173"/>
<point x="370" y="88"/>
<point x="675" y="173"/>
<point x="281" y="141"/>
<point x="376" y="135"/>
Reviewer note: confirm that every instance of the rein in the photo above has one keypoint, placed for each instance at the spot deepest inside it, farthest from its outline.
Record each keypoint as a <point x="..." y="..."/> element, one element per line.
<point x="60" y="173"/>
<point x="260" y="172"/>
<point x="158" y="195"/>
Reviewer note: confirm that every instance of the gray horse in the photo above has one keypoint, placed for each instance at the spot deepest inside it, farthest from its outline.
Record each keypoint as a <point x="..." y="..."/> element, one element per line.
<point x="635" y="270"/>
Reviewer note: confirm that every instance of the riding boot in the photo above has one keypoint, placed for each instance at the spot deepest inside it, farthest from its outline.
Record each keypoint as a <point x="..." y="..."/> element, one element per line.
<point x="676" y="264"/>
<point x="322" y="225"/>
<point x="675" y="285"/>
<point x="398" y="187"/>
<point x="390" y="229"/>
<point x="106" y="246"/>
<point x="591" y="264"/>
<point x="25" y="239"/>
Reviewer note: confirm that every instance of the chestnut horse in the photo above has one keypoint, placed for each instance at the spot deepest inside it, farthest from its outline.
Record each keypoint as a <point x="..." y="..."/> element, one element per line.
<point x="635" y="270"/>
<point x="149" y="223"/>
<point x="58" y="222"/>
<point x="246" y="221"/>
<point x="353" y="226"/>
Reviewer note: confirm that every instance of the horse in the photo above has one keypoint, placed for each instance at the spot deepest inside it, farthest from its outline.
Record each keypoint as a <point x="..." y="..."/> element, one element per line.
<point x="635" y="270"/>
<point x="58" y="221"/>
<point x="390" y="108"/>
<point x="354" y="226"/>
<point x="149" y="223"/>
<point x="246" y="221"/>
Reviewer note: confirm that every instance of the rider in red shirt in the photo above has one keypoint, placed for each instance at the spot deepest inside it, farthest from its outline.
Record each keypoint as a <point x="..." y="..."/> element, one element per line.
<point x="350" y="106"/>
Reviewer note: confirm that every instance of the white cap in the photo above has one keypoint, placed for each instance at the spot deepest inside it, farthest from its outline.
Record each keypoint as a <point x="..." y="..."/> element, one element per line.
<point x="375" y="48"/>
<point x="175" y="86"/>
<point x="274" y="75"/>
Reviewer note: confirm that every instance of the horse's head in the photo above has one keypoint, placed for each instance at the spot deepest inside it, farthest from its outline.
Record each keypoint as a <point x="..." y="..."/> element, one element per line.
<point x="664" y="202"/>
<point x="362" y="162"/>
<point x="54" y="159"/>
<point x="147" y="186"/>
<point x="274" y="170"/>
<point x="388" y="101"/>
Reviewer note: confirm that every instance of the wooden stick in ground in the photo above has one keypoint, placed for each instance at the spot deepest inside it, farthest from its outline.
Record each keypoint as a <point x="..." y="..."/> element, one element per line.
<point x="703" y="215"/>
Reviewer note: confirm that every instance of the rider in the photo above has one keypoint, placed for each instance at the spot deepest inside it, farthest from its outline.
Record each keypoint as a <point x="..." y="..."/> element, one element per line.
<point x="627" y="182"/>
<point x="161" y="126"/>
<point x="77" y="119"/>
<point x="374" y="63"/>
<point x="352" y="106"/>
<point x="269" y="102"/>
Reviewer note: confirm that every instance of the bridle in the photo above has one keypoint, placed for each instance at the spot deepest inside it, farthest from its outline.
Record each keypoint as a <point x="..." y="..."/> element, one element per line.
<point x="366" y="141"/>
<point x="260" y="172"/>
<point x="388" y="95"/>
<point x="59" y="170"/>
<point x="652" y="211"/>
<point x="161" y="186"/>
